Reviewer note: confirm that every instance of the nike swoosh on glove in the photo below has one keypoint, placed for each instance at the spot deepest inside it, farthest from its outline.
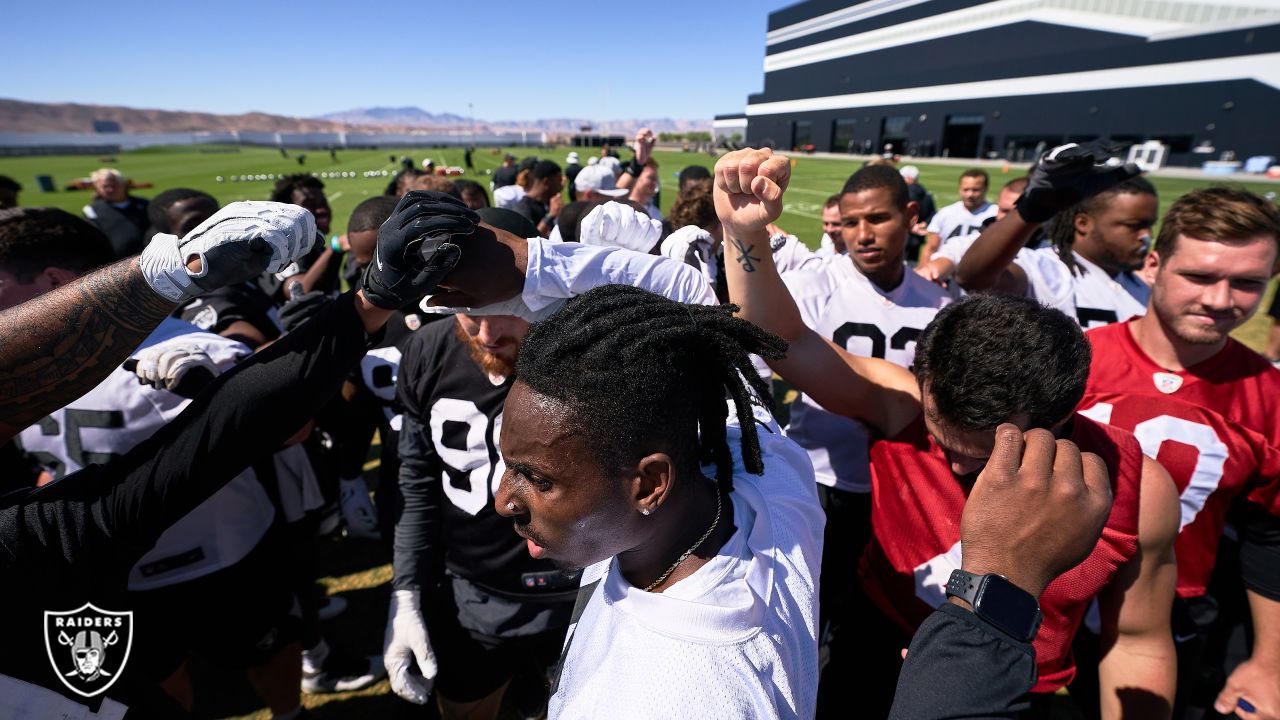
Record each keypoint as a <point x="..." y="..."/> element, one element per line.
<point x="237" y="243"/>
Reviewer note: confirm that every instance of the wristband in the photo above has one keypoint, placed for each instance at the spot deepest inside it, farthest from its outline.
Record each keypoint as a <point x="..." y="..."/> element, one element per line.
<point x="335" y="244"/>
<point x="633" y="168"/>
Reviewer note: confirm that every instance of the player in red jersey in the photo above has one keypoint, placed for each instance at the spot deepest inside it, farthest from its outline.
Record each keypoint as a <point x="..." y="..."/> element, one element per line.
<point x="983" y="361"/>
<point x="1207" y="407"/>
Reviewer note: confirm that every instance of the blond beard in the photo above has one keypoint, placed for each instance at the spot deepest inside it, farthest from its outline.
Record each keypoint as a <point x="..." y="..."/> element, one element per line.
<point x="490" y="363"/>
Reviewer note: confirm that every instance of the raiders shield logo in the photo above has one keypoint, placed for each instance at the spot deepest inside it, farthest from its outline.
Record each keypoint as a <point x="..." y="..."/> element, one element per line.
<point x="1167" y="383"/>
<point x="88" y="647"/>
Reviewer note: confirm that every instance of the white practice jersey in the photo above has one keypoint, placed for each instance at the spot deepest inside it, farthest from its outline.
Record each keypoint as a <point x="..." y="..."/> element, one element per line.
<point x="736" y="639"/>
<point x="120" y="413"/>
<point x="839" y="303"/>
<point x="1089" y="295"/>
<point x="955" y="220"/>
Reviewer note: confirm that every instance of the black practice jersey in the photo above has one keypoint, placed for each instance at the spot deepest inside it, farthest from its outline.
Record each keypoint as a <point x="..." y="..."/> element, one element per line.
<point x="449" y="470"/>
<point x="217" y="310"/>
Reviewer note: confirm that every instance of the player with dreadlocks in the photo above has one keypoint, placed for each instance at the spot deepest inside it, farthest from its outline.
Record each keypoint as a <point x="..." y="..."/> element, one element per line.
<point x="1099" y="242"/>
<point x="694" y="584"/>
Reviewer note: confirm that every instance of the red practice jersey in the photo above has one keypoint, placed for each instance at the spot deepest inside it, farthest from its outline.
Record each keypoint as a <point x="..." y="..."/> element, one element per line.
<point x="1215" y="427"/>
<point x="917" y="503"/>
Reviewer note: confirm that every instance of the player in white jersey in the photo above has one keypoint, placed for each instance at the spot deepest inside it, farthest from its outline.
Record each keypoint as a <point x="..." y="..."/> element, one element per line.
<point x="870" y="304"/>
<point x="1099" y="244"/>
<point x="961" y="218"/>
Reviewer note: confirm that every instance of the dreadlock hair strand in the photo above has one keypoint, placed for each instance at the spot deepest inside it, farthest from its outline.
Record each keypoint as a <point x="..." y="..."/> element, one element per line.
<point x="640" y="372"/>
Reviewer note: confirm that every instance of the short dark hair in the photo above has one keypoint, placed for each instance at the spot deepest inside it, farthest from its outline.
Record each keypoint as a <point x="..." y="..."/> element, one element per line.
<point x="1016" y="185"/>
<point x="402" y="177"/>
<point x="158" y="208"/>
<point x="639" y="372"/>
<point x="989" y="358"/>
<point x="692" y="173"/>
<point x="977" y="173"/>
<point x="545" y="169"/>
<point x="35" y="238"/>
<point x="570" y="219"/>
<point x="471" y="186"/>
<point x="285" y="186"/>
<point x="1061" y="228"/>
<point x="832" y="201"/>
<point x="1222" y="213"/>
<point x="8" y="183"/>
<point x="871" y="177"/>
<point x="370" y="214"/>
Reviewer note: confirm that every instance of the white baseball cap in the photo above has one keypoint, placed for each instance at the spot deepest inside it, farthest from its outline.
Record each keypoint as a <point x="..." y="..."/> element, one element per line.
<point x="599" y="179"/>
<point x="910" y="172"/>
<point x="572" y="159"/>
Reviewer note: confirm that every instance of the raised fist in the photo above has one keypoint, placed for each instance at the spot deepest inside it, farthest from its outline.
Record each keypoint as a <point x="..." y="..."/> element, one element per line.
<point x="748" y="189"/>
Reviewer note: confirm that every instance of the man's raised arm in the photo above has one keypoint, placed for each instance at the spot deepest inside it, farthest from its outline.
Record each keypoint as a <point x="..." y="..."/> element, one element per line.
<point x="56" y="347"/>
<point x="749" y="185"/>
<point x="1060" y="179"/>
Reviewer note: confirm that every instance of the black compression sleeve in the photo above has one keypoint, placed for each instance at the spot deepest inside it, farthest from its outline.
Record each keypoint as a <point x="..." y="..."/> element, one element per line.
<point x="418" y="560"/>
<point x="959" y="667"/>
<point x="1260" y="550"/>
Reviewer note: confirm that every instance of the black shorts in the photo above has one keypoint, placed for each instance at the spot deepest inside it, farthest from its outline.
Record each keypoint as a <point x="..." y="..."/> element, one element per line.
<point x="236" y="617"/>
<point x="483" y="639"/>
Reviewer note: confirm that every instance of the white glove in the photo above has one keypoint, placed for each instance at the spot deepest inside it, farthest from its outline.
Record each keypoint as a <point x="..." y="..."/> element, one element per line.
<point x="405" y="640"/>
<point x="236" y="244"/>
<point x="165" y="365"/>
<point x="616" y="225"/>
<point x="678" y="243"/>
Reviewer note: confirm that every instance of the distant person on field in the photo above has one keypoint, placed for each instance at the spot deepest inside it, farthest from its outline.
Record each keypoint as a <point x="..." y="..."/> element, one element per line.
<point x="961" y="218"/>
<point x="505" y="175"/>
<point x="918" y="194"/>
<point x="571" y="169"/>
<point x="119" y="215"/>
<point x="543" y="201"/>
<point x="466" y="158"/>
<point x="9" y="189"/>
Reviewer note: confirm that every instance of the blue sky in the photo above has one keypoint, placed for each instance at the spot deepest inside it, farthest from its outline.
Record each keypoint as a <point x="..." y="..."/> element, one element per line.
<point x="512" y="60"/>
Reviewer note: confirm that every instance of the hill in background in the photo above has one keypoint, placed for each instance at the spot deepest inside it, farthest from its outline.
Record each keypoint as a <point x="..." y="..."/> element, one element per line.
<point x="29" y="117"/>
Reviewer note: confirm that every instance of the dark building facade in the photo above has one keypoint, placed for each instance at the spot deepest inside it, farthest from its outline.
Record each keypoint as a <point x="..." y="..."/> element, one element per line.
<point x="1002" y="78"/>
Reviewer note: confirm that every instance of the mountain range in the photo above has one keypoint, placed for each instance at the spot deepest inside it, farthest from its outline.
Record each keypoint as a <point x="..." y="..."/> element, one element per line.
<point x="30" y="117"/>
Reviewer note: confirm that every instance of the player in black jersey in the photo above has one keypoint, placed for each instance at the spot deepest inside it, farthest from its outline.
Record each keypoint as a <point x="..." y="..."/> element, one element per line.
<point x="464" y="584"/>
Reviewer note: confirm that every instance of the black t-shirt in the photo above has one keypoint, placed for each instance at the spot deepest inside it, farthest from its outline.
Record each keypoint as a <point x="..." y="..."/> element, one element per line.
<point x="505" y="176"/>
<point x="123" y="225"/>
<point x="531" y="209"/>
<point x="449" y="467"/>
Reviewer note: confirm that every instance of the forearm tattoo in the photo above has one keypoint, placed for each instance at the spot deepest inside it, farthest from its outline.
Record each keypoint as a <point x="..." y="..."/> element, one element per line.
<point x="745" y="258"/>
<point x="57" y="347"/>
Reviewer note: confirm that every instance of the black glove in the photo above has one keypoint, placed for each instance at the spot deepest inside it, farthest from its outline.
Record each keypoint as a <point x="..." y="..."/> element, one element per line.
<point x="301" y="308"/>
<point x="1066" y="175"/>
<point x="414" y="251"/>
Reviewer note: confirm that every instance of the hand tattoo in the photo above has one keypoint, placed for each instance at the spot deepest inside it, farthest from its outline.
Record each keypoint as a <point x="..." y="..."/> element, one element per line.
<point x="745" y="258"/>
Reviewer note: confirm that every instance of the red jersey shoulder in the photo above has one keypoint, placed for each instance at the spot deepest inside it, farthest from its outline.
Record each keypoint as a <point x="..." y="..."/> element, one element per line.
<point x="1122" y="453"/>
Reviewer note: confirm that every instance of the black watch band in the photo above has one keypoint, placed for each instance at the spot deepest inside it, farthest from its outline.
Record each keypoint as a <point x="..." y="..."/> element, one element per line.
<point x="996" y="600"/>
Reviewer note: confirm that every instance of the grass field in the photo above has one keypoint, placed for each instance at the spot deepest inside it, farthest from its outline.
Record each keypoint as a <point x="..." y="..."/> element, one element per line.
<point x="359" y="571"/>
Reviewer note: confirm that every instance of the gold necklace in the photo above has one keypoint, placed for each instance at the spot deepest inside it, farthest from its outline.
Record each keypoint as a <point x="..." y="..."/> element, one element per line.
<point x="695" y="546"/>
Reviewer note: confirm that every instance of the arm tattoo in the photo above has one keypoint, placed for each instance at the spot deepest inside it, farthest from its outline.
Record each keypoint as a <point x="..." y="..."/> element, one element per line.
<point x="56" y="347"/>
<point x="745" y="258"/>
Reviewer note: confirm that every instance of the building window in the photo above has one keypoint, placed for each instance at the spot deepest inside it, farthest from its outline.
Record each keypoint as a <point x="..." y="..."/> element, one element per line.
<point x="801" y="134"/>
<point x="843" y="132"/>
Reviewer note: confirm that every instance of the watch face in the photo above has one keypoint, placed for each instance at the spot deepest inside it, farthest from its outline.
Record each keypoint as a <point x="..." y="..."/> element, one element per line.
<point x="1008" y="607"/>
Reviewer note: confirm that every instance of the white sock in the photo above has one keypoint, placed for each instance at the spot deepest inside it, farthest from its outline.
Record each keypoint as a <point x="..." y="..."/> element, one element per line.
<point x="313" y="659"/>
